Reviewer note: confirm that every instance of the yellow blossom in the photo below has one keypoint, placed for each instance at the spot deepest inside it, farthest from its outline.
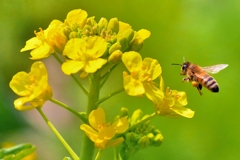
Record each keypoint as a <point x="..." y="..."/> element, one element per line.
<point x="173" y="104"/>
<point x="84" y="55"/>
<point x="142" y="73"/>
<point x="32" y="87"/>
<point x="102" y="133"/>
<point x="46" y="41"/>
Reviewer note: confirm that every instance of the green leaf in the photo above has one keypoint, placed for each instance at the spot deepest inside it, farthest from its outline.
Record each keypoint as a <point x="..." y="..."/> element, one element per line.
<point x="17" y="152"/>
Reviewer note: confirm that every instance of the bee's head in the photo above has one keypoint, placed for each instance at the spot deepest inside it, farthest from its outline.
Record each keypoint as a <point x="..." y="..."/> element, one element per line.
<point x="184" y="67"/>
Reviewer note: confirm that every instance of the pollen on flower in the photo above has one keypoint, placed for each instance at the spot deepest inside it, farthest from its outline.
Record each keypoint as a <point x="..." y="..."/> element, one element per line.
<point x="134" y="74"/>
<point x="40" y="33"/>
<point x="149" y="79"/>
<point x="100" y="126"/>
<point x="30" y="87"/>
<point x="177" y="96"/>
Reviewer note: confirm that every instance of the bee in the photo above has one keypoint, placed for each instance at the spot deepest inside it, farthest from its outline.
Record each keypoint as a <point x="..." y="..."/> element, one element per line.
<point x="199" y="76"/>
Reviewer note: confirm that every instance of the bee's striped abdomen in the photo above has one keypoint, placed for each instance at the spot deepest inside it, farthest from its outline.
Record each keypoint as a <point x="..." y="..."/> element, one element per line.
<point x="210" y="83"/>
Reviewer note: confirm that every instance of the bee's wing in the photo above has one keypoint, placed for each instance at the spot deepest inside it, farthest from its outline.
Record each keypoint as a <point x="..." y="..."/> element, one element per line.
<point x="215" y="69"/>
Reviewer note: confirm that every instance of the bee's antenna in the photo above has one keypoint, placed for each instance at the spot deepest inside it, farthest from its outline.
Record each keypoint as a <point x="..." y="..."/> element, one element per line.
<point x="176" y="64"/>
<point x="184" y="59"/>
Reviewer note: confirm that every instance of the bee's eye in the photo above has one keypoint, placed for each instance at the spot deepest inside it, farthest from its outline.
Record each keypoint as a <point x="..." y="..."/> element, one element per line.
<point x="184" y="67"/>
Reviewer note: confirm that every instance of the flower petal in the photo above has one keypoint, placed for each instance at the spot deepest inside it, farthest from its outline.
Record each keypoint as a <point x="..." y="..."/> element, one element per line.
<point x="19" y="83"/>
<point x="106" y="133"/>
<point x="115" y="142"/>
<point x="185" y="112"/>
<point x="71" y="66"/>
<point x="153" y="68"/>
<point x="96" y="46"/>
<point x="144" y="34"/>
<point x="94" y="65"/>
<point x="123" y="26"/>
<point x="153" y="93"/>
<point x="19" y="104"/>
<point x="31" y="44"/>
<point x="132" y="60"/>
<point x="76" y="16"/>
<point x="90" y="132"/>
<point x="75" y="48"/>
<point x="43" y="51"/>
<point x="132" y="86"/>
<point x="121" y="125"/>
<point x="96" y="118"/>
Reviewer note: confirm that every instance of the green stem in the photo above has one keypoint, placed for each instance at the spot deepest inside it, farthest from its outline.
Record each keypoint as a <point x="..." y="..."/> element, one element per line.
<point x="98" y="155"/>
<point x="104" y="78"/>
<point x="69" y="149"/>
<point x="115" y="154"/>
<point x="73" y="76"/>
<point x="87" y="150"/>
<point x="142" y="121"/>
<point x="84" y="119"/>
<point x="108" y="96"/>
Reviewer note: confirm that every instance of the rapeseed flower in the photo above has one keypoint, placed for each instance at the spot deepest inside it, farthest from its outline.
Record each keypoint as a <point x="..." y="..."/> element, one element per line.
<point x="142" y="73"/>
<point x="84" y="55"/>
<point x="102" y="133"/>
<point x="33" y="87"/>
<point x="46" y="41"/>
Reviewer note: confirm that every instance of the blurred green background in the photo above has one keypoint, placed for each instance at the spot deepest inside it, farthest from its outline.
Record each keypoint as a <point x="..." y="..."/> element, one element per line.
<point x="204" y="32"/>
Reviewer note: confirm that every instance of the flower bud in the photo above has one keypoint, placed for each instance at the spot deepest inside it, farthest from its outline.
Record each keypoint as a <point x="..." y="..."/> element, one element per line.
<point x="73" y="35"/>
<point x="114" y="47"/>
<point x="157" y="140"/>
<point x="151" y="136"/>
<point x="136" y="116"/>
<point x="131" y="138"/>
<point x="125" y="38"/>
<point x="123" y="112"/>
<point x="115" y="57"/>
<point x="102" y="24"/>
<point x="143" y="142"/>
<point x="136" y="45"/>
<point x="83" y="74"/>
<point x="113" y="25"/>
<point x="138" y="39"/>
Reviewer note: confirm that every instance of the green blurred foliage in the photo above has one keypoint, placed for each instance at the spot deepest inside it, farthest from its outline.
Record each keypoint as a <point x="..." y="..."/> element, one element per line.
<point x="204" y="32"/>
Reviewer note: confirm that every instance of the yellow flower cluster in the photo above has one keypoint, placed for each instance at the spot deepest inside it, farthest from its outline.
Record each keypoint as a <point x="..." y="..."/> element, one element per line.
<point x="141" y="81"/>
<point x="86" y="44"/>
<point x="90" y="48"/>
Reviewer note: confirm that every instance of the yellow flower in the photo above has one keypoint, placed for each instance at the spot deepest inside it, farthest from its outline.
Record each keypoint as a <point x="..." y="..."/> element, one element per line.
<point x="84" y="55"/>
<point x="46" y="41"/>
<point x="32" y="87"/>
<point x="142" y="73"/>
<point x="173" y="104"/>
<point x="102" y="133"/>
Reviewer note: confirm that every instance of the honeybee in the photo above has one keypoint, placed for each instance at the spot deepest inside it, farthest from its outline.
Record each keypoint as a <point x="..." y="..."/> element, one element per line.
<point x="199" y="75"/>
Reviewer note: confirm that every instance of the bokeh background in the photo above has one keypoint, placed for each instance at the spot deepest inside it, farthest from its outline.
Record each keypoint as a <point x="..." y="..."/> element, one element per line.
<point x="204" y="32"/>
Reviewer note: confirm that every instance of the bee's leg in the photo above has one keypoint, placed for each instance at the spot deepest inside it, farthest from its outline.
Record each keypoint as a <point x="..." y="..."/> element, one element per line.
<point x="198" y="86"/>
<point x="186" y="79"/>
